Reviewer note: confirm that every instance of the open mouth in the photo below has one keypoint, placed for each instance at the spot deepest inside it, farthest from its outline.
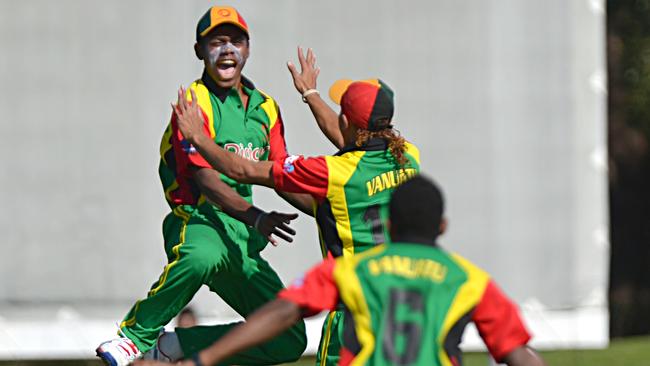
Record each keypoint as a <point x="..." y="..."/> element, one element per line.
<point x="226" y="64"/>
<point x="226" y="68"/>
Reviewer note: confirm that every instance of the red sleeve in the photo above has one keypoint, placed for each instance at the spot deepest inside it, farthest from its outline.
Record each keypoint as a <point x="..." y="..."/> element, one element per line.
<point x="276" y="141"/>
<point x="302" y="175"/>
<point x="185" y="154"/>
<point x="499" y="323"/>
<point x="316" y="291"/>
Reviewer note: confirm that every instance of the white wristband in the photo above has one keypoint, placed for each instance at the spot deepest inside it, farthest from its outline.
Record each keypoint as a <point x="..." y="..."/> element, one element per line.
<point x="307" y="93"/>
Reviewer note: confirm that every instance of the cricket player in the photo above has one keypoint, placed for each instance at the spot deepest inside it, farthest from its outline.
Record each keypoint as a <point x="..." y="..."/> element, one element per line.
<point x="350" y="190"/>
<point x="213" y="234"/>
<point x="407" y="302"/>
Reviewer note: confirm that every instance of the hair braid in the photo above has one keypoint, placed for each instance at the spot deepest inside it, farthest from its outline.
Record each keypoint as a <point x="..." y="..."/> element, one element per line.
<point x="396" y="143"/>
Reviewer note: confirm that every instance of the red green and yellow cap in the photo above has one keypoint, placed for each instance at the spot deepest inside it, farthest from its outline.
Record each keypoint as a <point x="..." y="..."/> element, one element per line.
<point x="368" y="104"/>
<point x="218" y="15"/>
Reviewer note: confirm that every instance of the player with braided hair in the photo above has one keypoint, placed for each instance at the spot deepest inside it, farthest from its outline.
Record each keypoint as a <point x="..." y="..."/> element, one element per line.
<point x="350" y="190"/>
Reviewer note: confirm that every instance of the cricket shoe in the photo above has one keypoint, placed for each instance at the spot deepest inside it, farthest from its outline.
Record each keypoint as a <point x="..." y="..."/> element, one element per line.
<point x="118" y="352"/>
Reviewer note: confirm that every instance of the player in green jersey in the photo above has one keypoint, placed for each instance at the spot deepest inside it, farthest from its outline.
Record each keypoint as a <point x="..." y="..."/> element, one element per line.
<point x="408" y="302"/>
<point x="213" y="234"/>
<point x="350" y="190"/>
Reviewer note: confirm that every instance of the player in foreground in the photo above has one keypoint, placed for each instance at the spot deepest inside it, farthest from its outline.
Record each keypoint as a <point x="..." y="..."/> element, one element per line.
<point x="212" y="235"/>
<point x="350" y="190"/>
<point x="408" y="301"/>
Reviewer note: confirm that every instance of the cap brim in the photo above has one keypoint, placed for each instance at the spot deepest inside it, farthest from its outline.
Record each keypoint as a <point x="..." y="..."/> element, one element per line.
<point x="338" y="89"/>
<point x="340" y="86"/>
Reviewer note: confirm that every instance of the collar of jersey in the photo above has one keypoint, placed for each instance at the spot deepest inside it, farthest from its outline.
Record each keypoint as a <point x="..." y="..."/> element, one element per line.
<point x="374" y="144"/>
<point x="222" y="93"/>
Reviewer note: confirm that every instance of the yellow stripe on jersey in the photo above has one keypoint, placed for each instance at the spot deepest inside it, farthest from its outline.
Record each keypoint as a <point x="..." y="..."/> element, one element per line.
<point x="203" y="95"/>
<point x="467" y="297"/>
<point x="413" y="151"/>
<point x="351" y="294"/>
<point x="131" y="321"/>
<point x="271" y="108"/>
<point x="168" y="192"/>
<point x="340" y="170"/>
<point x="166" y="143"/>
<point x="326" y="340"/>
<point x="178" y="211"/>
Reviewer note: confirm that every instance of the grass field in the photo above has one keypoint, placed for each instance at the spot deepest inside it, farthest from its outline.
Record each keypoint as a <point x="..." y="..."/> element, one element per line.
<point x="629" y="352"/>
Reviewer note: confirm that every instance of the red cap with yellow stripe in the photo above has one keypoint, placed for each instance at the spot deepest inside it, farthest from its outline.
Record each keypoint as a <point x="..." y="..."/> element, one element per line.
<point x="218" y="15"/>
<point x="368" y="104"/>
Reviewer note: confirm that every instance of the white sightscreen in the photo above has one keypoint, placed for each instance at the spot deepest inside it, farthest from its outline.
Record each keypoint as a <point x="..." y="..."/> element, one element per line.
<point x="504" y="98"/>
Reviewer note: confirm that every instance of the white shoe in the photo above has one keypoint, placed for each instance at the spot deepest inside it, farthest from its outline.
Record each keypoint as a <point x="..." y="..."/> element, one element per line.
<point x="118" y="352"/>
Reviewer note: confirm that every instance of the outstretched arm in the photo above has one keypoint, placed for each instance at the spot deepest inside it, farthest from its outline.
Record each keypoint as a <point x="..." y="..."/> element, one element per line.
<point x="304" y="80"/>
<point x="190" y="123"/>
<point x="301" y="201"/>
<point x="502" y="329"/>
<point x="523" y="356"/>
<point x="316" y="292"/>
<point x="265" y="323"/>
<point x="221" y="194"/>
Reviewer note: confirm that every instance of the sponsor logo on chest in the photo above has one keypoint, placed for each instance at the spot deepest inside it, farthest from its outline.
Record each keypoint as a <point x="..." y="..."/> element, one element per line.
<point x="246" y="151"/>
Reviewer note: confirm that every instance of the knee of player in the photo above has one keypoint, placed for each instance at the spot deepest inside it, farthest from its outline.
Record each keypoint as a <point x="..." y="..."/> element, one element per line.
<point x="201" y="263"/>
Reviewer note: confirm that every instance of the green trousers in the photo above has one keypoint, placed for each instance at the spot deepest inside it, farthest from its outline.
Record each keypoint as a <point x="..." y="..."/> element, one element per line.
<point x="224" y="254"/>
<point x="331" y="340"/>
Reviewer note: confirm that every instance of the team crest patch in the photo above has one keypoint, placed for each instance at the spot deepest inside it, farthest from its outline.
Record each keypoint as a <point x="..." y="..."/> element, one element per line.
<point x="288" y="163"/>
<point x="298" y="282"/>
<point x="187" y="147"/>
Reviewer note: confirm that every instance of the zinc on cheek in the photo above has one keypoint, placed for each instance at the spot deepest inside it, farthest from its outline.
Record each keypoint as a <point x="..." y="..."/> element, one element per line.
<point x="215" y="53"/>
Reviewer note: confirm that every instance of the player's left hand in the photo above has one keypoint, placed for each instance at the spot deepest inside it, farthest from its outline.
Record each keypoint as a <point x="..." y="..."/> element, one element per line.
<point x="188" y="115"/>
<point x="306" y="78"/>
<point x="276" y="224"/>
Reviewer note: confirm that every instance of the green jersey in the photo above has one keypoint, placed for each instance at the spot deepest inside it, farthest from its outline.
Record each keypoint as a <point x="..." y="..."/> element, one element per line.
<point x="352" y="190"/>
<point x="254" y="132"/>
<point x="408" y="303"/>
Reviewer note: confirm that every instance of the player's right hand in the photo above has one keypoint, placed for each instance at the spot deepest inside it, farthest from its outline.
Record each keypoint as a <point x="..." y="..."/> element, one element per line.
<point x="274" y="224"/>
<point x="188" y="115"/>
<point x="306" y="78"/>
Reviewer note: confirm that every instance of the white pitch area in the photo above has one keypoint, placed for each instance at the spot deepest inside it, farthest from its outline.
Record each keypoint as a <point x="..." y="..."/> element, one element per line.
<point x="68" y="335"/>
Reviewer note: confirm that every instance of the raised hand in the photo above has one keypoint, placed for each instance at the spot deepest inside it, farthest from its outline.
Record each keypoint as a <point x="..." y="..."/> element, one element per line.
<point x="306" y="78"/>
<point x="276" y="223"/>
<point x="188" y="115"/>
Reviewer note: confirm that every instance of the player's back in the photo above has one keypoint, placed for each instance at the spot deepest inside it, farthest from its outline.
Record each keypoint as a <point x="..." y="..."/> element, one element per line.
<point x="409" y="303"/>
<point x="353" y="216"/>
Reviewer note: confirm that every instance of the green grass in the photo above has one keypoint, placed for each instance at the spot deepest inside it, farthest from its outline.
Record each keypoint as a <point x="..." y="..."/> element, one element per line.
<point x="629" y="352"/>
